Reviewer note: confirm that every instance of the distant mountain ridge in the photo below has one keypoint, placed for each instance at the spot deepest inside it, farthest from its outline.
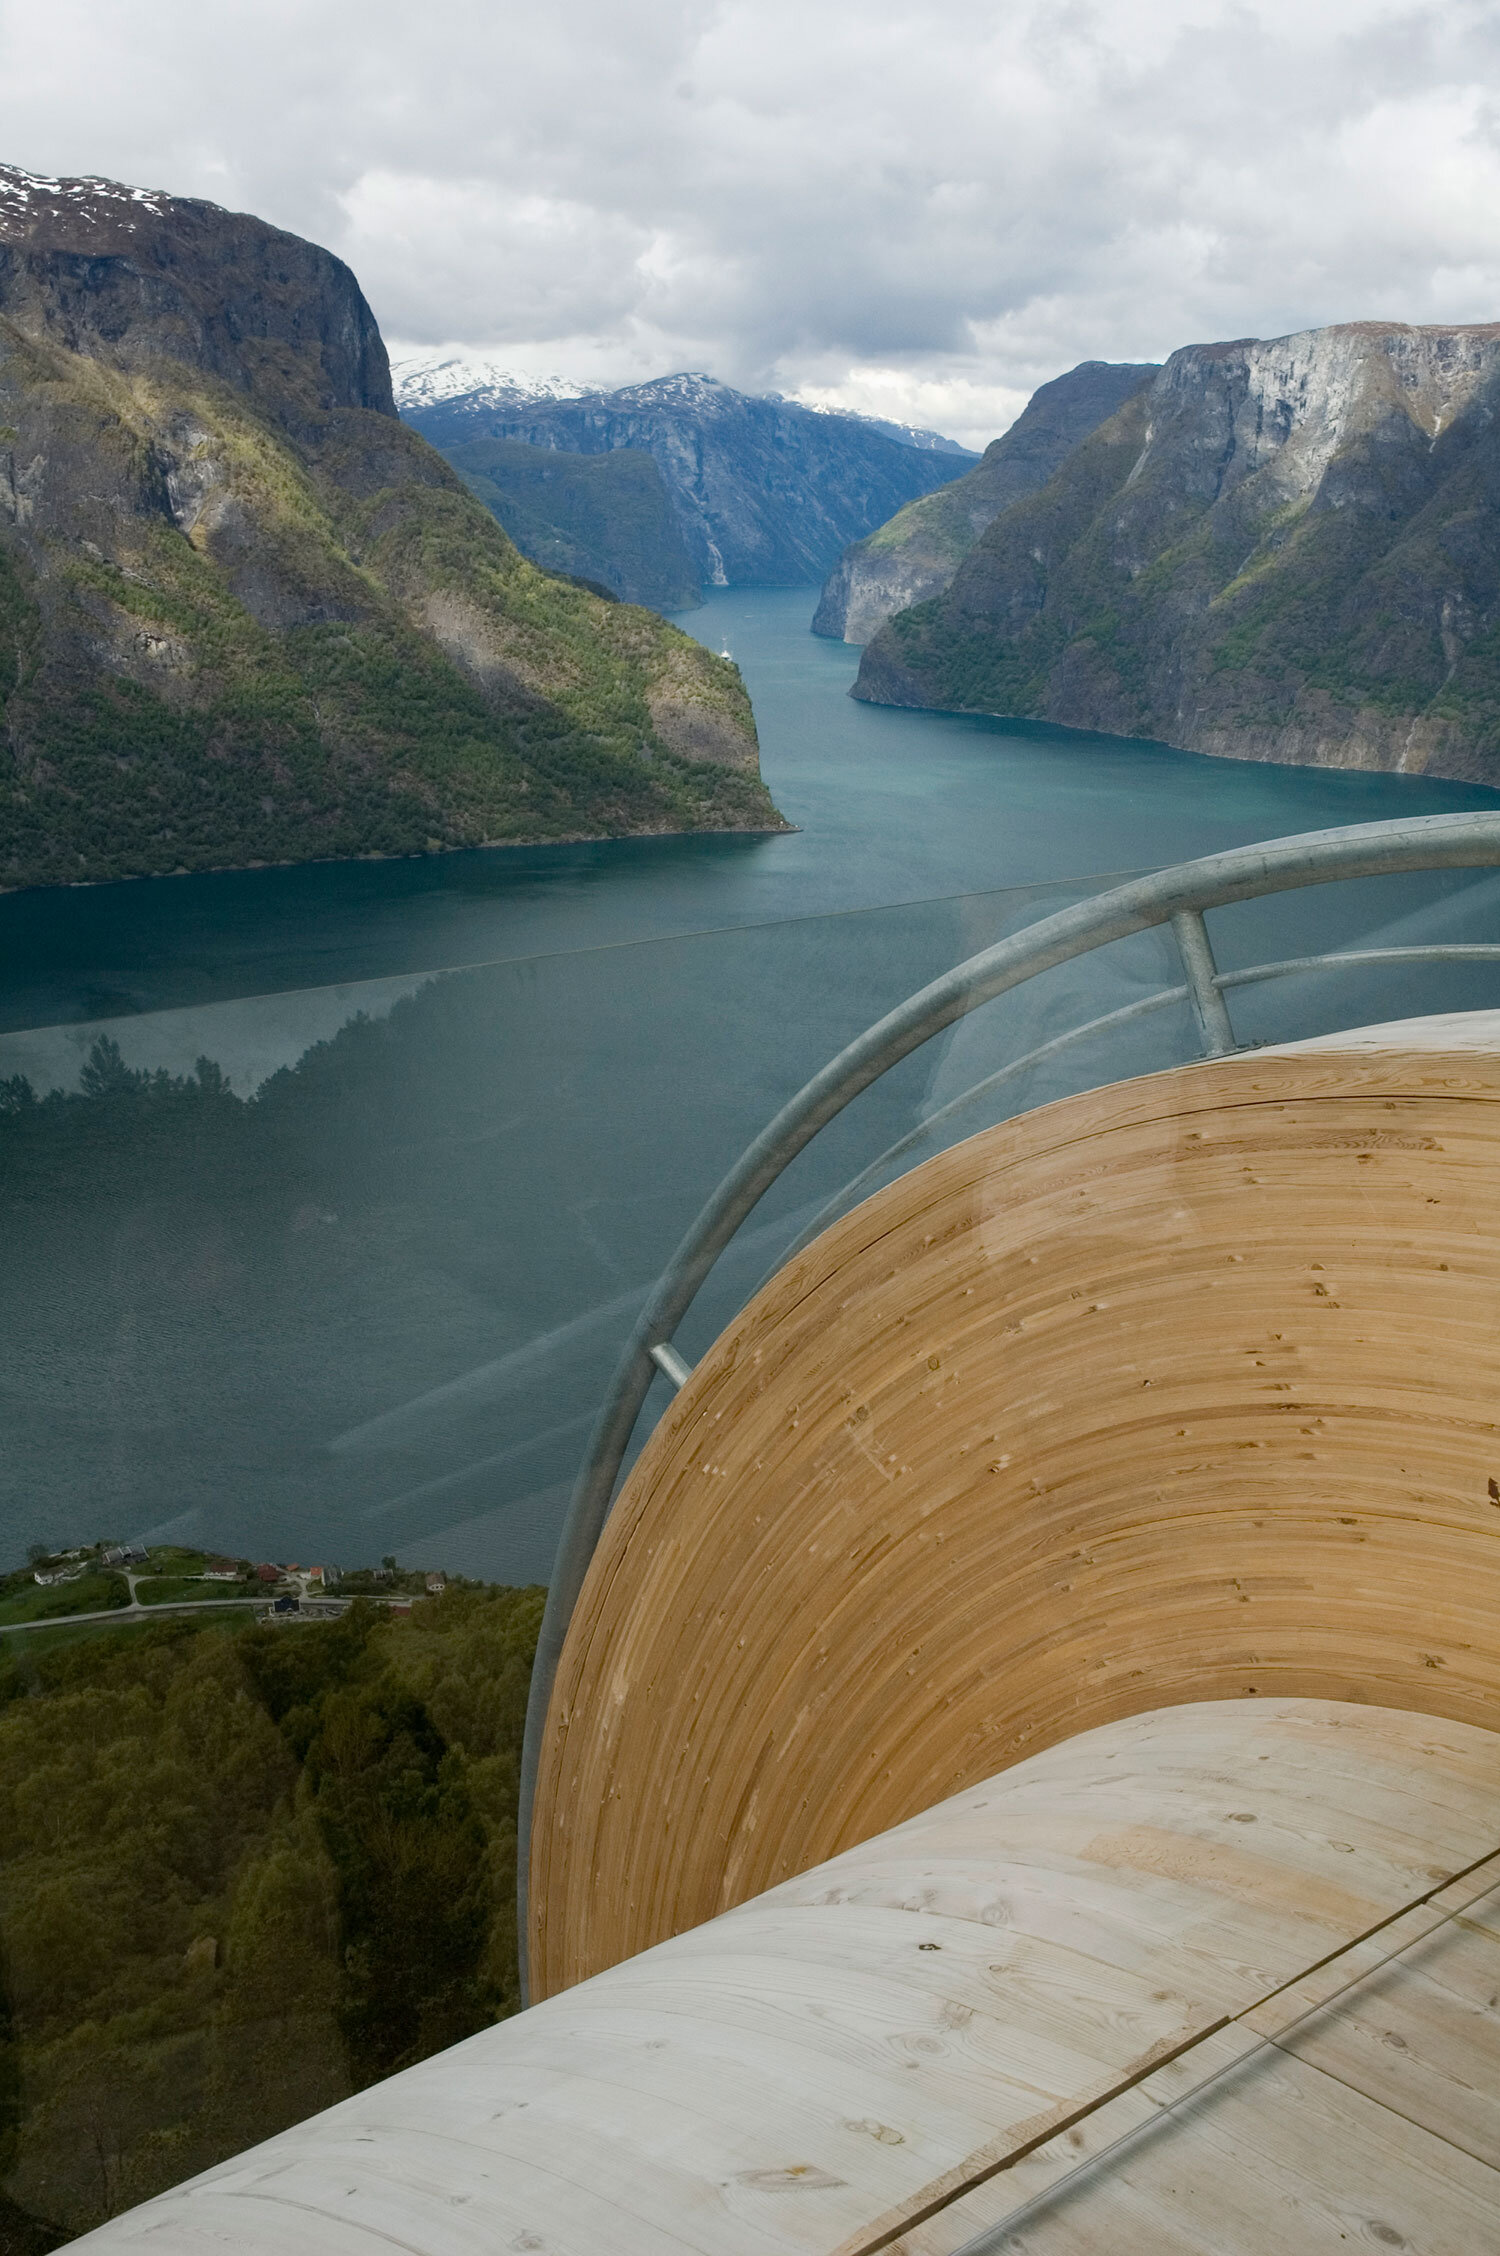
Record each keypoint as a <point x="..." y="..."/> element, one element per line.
<point x="607" y="519"/>
<point x="767" y="492"/>
<point x="916" y="555"/>
<point x="1283" y="549"/>
<point x="429" y="379"/>
<point x="247" y="615"/>
<point x="425" y="380"/>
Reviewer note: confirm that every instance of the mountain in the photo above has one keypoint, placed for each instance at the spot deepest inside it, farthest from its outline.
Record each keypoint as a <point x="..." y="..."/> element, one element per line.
<point x="916" y="555"/>
<point x="1284" y="550"/>
<point x="423" y="379"/>
<point x="906" y="434"/>
<point x="767" y="492"/>
<point x="426" y="379"/>
<point x="247" y="615"/>
<point x="605" y="518"/>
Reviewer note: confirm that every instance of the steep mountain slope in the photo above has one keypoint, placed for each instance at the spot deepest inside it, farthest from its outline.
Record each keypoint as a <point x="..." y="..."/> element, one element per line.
<point x="767" y="492"/>
<point x="916" y="555"/>
<point x="603" y="517"/>
<point x="1284" y="550"/>
<point x="246" y="615"/>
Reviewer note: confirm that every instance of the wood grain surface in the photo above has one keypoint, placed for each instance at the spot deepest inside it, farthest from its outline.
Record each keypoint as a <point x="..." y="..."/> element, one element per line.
<point x="1181" y="1390"/>
<point x="1393" y="2141"/>
<point x="893" y="2050"/>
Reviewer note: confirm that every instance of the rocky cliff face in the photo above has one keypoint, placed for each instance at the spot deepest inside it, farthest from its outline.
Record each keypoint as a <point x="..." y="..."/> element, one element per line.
<point x="767" y="492"/>
<point x="246" y="615"/>
<point x="915" y="556"/>
<point x="1284" y="550"/>
<point x="132" y="278"/>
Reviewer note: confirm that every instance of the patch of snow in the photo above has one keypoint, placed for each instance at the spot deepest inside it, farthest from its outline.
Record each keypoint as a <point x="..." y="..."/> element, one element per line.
<point x="907" y="434"/>
<point x="690" y="387"/>
<point x="427" y="378"/>
<point x="21" y="192"/>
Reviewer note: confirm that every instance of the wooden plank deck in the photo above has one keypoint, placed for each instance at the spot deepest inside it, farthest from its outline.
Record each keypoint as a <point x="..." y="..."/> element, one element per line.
<point x="909" y="2045"/>
<point x="1372" y="2117"/>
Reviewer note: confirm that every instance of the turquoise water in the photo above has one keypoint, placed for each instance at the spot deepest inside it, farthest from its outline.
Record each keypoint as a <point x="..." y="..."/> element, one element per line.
<point x="893" y="806"/>
<point x="372" y="1310"/>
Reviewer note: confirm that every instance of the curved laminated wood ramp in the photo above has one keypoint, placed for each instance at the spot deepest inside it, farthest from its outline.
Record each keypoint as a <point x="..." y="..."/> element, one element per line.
<point x="1111" y="1951"/>
<point x="1183" y="1390"/>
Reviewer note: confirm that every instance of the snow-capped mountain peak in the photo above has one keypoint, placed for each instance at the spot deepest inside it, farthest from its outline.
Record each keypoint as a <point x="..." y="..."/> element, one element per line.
<point x="425" y="379"/>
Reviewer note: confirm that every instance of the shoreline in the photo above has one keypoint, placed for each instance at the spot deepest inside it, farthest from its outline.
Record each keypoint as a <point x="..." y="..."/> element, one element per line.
<point x="427" y="854"/>
<point x="1033" y="724"/>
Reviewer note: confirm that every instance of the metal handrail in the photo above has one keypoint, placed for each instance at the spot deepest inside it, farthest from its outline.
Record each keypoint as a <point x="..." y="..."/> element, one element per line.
<point x="844" y="1198"/>
<point x="1176" y="896"/>
<point x="1479" y="951"/>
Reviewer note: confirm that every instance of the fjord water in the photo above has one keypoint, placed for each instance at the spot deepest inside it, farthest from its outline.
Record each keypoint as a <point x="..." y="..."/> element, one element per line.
<point x="373" y="1309"/>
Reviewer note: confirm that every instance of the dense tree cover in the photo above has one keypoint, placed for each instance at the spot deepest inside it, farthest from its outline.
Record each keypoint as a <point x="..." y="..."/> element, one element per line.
<point x="241" y="1875"/>
<point x="608" y="517"/>
<point x="346" y="656"/>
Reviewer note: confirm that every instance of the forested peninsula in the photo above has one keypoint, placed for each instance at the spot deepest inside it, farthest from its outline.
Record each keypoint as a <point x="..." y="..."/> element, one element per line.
<point x="247" y="615"/>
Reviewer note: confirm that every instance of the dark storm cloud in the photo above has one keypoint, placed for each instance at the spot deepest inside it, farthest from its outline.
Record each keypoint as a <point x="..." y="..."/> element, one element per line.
<point x="917" y="207"/>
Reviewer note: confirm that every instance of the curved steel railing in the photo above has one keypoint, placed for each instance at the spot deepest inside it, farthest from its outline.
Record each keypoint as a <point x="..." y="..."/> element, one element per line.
<point x="1177" y="897"/>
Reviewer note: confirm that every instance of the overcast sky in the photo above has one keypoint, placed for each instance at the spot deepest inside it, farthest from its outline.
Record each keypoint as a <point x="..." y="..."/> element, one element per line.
<point x="914" y="210"/>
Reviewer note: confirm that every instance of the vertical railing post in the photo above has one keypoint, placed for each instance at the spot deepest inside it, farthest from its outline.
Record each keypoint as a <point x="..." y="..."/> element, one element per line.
<point x="1209" y="1009"/>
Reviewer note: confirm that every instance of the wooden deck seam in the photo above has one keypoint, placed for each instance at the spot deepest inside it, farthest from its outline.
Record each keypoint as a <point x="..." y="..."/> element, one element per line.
<point x="889" y="2232"/>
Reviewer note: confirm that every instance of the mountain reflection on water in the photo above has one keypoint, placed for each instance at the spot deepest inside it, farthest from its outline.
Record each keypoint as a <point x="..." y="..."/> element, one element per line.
<point x="355" y="1287"/>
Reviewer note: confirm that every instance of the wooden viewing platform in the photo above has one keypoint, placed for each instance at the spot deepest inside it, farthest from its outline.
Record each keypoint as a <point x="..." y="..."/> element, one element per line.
<point x="1183" y="1389"/>
<point x="1022" y="1773"/>
<point x="1213" y="1978"/>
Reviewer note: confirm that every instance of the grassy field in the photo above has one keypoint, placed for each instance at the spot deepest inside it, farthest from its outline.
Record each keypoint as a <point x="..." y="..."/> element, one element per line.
<point x="170" y="1576"/>
<point x="172" y="1590"/>
<point x="23" y="1599"/>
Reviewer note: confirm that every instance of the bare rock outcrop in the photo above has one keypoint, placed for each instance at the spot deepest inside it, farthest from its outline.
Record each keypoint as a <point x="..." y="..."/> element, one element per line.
<point x="915" y="555"/>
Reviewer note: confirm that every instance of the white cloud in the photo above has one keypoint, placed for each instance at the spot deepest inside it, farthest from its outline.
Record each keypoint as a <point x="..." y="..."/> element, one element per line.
<point x="964" y="407"/>
<point x="921" y="210"/>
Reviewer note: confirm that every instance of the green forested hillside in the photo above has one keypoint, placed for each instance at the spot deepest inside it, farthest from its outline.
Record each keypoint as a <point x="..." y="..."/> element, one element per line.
<point x="915" y="555"/>
<point x="246" y="615"/>
<point x="605" y="517"/>
<point x="242" y="1873"/>
<point x="388" y="675"/>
